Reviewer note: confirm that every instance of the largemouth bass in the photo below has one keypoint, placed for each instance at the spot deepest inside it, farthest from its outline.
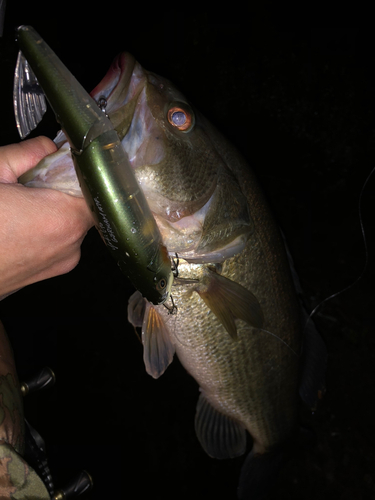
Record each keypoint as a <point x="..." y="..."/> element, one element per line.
<point x="233" y="318"/>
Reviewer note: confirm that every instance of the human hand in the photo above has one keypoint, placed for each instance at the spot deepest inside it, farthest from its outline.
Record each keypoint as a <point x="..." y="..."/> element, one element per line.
<point x="41" y="230"/>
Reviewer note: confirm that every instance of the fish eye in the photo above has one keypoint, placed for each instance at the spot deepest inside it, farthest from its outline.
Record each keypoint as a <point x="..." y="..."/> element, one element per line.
<point x="180" y="118"/>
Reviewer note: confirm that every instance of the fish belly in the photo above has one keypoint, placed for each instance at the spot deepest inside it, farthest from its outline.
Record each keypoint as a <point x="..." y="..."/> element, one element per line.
<point x="254" y="379"/>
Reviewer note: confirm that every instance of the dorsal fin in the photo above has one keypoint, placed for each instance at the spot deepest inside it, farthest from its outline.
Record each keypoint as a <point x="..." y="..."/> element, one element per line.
<point x="29" y="102"/>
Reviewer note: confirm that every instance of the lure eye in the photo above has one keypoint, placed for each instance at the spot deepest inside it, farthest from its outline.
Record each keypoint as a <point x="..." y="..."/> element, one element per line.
<point x="180" y="118"/>
<point x="161" y="285"/>
<point x="102" y="103"/>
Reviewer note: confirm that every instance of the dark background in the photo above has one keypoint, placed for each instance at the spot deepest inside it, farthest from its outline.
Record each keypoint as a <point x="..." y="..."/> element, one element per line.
<point x="294" y="90"/>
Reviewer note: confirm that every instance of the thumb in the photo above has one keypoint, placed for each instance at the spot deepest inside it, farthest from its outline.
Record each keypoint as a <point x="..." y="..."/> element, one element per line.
<point x="15" y="159"/>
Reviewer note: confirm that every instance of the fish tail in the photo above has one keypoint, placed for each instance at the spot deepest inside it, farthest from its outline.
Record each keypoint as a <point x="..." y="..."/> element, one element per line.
<point x="259" y="474"/>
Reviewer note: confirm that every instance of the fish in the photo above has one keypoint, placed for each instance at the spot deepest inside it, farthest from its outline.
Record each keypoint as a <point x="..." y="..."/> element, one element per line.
<point x="233" y="318"/>
<point x="107" y="181"/>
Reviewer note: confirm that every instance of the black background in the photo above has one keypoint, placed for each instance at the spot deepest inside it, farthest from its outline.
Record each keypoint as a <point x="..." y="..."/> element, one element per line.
<point x="294" y="90"/>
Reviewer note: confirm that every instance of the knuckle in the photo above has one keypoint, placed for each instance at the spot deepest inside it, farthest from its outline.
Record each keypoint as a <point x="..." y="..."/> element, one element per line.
<point x="69" y="263"/>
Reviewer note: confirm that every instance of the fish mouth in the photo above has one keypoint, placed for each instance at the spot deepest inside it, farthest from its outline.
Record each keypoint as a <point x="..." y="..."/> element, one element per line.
<point x="113" y="88"/>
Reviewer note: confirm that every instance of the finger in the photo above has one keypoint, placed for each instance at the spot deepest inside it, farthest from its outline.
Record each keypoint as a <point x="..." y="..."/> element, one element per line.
<point x="49" y="210"/>
<point x="15" y="159"/>
<point x="51" y="226"/>
<point x="74" y="210"/>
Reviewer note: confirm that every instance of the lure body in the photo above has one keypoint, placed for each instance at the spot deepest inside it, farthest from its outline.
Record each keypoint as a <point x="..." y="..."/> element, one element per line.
<point x="119" y="207"/>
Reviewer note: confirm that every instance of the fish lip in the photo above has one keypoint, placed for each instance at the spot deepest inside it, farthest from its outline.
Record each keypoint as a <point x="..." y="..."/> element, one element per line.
<point x="115" y="81"/>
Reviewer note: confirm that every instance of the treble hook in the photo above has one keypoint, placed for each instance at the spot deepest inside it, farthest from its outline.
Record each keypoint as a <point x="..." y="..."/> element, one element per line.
<point x="171" y="309"/>
<point x="175" y="266"/>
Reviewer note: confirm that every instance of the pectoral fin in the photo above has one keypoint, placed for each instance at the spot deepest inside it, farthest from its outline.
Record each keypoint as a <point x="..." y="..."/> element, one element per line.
<point x="158" y="348"/>
<point x="229" y="300"/>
